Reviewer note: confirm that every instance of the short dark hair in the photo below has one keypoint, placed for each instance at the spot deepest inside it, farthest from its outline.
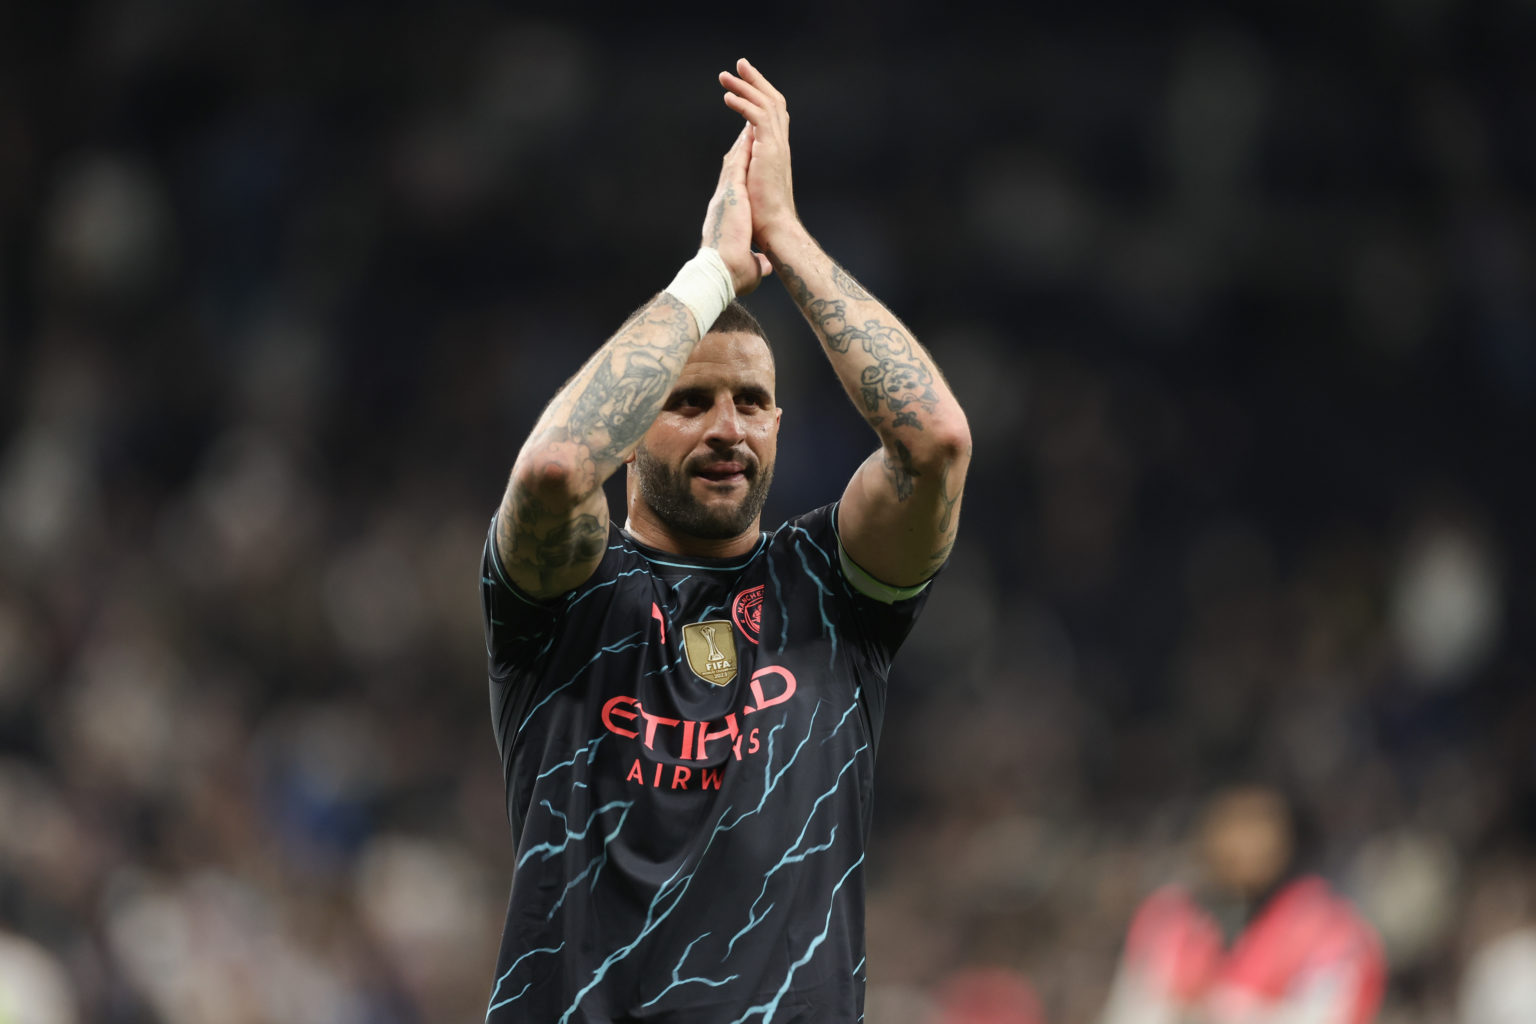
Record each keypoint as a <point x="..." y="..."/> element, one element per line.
<point x="738" y="319"/>
<point x="734" y="318"/>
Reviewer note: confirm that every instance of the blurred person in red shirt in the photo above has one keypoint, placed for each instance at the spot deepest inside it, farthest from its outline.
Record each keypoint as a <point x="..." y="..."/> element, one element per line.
<point x="1253" y="941"/>
<point x="986" y="995"/>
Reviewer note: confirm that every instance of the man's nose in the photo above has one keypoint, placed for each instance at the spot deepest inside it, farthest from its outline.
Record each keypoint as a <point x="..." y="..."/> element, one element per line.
<point x="725" y="422"/>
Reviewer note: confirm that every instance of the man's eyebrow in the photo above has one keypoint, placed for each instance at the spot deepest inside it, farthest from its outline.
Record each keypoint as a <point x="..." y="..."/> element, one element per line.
<point x="756" y="392"/>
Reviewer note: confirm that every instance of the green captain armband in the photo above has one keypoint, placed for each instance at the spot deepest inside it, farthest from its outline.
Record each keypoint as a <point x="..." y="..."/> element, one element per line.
<point x="867" y="585"/>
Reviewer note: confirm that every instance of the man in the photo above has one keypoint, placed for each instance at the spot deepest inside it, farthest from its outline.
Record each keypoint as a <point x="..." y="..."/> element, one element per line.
<point x="688" y="708"/>
<point x="1253" y="943"/>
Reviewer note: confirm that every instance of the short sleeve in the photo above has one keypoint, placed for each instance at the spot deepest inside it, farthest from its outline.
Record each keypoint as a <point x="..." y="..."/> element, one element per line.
<point x="519" y="629"/>
<point x="884" y="617"/>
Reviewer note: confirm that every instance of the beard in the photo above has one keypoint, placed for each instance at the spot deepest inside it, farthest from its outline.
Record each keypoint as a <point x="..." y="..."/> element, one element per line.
<point x="669" y="493"/>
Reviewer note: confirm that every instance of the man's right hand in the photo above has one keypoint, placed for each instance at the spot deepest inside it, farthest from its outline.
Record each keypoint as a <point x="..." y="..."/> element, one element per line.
<point x="770" y="183"/>
<point x="728" y="224"/>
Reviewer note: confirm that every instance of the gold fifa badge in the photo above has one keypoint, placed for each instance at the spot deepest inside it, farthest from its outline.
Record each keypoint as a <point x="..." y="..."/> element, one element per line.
<point x="711" y="649"/>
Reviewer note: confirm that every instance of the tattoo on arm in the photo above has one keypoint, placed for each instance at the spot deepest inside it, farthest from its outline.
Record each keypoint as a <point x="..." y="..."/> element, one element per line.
<point x="717" y="215"/>
<point x="616" y="408"/>
<point x="584" y="435"/>
<point x="848" y="286"/>
<point x="949" y="507"/>
<point x="568" y="542"/>
<point x="940" y="556"/>
<point x="798" y="289"/>
<point x="830" y="316"/>
<point x="898" y="377"/>
<point x="899" y="469"/>
<point x="899" y="384"/>
<point x="625" y="390"/>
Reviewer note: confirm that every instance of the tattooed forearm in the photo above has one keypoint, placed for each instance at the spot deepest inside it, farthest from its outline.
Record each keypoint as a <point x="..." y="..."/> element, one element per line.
<point x="616" y="408"/>
<point x="793" y="282"/>
<point x="830" y="318"/>
<point x="897" y="377"/>
<point x="624" y="391"/>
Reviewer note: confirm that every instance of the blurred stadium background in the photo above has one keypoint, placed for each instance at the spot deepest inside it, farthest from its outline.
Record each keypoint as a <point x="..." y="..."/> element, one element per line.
<point x="1242" y="307"/>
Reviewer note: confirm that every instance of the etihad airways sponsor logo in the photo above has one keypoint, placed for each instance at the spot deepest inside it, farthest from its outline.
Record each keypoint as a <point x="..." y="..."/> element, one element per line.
<point x="714" y="742"/>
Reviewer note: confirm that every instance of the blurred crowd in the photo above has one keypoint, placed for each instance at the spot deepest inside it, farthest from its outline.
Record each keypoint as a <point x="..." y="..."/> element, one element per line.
<point x="1242" y="310"/>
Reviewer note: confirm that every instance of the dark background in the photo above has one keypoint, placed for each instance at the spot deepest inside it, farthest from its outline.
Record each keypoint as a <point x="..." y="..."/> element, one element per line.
<point x="1241" y="306"/>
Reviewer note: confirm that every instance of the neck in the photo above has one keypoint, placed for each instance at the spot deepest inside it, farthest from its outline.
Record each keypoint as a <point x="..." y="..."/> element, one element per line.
<point x="643" y="525"/>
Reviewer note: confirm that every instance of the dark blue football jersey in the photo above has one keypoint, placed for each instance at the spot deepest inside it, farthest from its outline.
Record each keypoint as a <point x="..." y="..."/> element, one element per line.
<point x="688" y="746"/>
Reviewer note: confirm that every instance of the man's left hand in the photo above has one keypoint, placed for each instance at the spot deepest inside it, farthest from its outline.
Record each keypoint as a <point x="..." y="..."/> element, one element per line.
<point x="770" y="185"/>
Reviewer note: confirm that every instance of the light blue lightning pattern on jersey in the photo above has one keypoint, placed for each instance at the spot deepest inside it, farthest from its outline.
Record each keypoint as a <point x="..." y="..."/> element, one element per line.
<point x="613" y="648"/>
<point x="591" y="751"/>
<point x="594" y="866"/>
<point x="655" y="915"/>
<point x="790" y="856"/>
<point x="857" y="694"/>
<point x="778" y="597"/>
<point x="502" y="980"/>
<point x="580" y="596"/>
<point x="550" y="849"/>
<point x="772" y="1006"/>
<point x="822" y="590"/>
<point x="753" y="918"/>
<point x="771" y="781"/>
<point x="678" y="982"/>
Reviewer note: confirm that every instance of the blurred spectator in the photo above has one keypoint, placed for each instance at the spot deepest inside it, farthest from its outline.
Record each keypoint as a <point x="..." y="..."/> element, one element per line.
<point x="1500" y="983"/>
<point x="986" y="996"/>
<point x="1251" y="939"/>
<point x="34" y="987"/>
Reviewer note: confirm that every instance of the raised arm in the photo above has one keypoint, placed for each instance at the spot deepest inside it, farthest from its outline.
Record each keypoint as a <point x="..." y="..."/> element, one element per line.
<point x="901" y="509"/>
<point x="552" y="526"/>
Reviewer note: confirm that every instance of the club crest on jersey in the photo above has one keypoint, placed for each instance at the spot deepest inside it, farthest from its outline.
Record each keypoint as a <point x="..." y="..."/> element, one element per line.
<point x="748" y="612"/>
<point x="711" y="650"/>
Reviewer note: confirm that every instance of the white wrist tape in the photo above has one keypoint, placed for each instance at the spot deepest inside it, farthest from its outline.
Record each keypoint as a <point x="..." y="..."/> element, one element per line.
<point x="704" y="286"/>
